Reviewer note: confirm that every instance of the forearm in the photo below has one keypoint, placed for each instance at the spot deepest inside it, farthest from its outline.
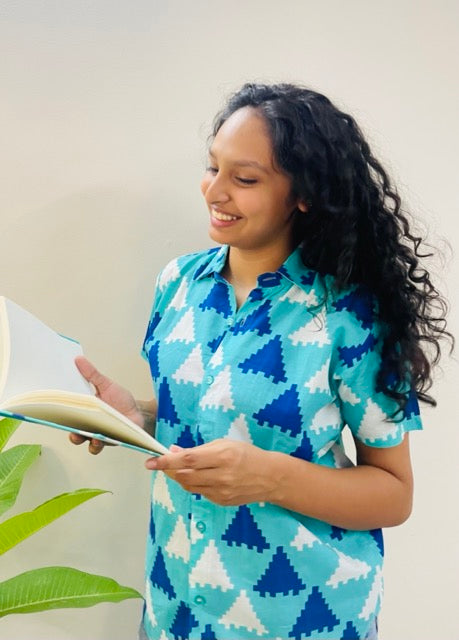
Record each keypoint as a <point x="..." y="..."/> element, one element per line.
<point x="148" y="410"/>
<point x="361" y="497"/>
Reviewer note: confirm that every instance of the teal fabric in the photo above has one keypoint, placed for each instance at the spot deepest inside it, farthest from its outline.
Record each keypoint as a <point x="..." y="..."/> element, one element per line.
<point x="287" y="372"/>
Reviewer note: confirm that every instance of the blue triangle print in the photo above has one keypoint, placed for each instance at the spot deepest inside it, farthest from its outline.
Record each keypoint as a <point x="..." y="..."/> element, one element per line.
<point x="412" y="407"/>
<point x="153" y="360"/>
<point x="267" y="360"/>
<point x="188" y="440"/>
<point x="350" y="632"/>
<point x="279" y="577"/>
<point x="316" y="616"/>
<point x="305" y="450"/>
<point x="208" y="633"/>
<point x="154" y="321"/>
<point x="257" y="321"/>
<point x="378" y="537"/>
<point x="357" y="351"/>
<point x="184" y="622"/>
<point x="283" y="412"/>
<point x="244" y="530"/>
<point x="152" y="528"/>
<point x="166" y="407"/>
<point x="337" y="533"/>
<point x="213" y="344"/>
<point x="159" y="576"/>
<point x="361" y="303"/>
<point x="218" y="300"/>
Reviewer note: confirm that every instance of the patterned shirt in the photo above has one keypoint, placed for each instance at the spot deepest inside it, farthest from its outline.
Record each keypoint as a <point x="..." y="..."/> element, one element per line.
<point x="286" y="371"/>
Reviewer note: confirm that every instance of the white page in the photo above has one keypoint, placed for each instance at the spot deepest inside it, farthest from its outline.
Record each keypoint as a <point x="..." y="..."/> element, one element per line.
<point x="39" y="357"/>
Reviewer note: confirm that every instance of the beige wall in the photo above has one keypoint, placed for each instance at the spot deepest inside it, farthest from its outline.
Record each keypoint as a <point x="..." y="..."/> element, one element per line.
<point x="106" y="106"/>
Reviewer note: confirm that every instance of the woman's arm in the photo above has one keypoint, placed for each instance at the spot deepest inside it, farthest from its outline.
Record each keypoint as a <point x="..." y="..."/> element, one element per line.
<point x="375" y="493"/>
<point x="378" y="492"/>
<point x="148" y="410"/>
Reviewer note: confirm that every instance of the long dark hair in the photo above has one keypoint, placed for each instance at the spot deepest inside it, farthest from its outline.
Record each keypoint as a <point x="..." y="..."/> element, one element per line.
<point x="354" y="228"/>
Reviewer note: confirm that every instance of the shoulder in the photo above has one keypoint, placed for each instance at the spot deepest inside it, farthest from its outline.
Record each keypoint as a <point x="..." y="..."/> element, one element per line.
<point x="352" y="312"/>
<point x="188" y="266"/>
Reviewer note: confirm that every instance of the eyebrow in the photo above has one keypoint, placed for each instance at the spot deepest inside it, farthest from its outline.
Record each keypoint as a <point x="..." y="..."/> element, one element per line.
<point x="245" y="163"/>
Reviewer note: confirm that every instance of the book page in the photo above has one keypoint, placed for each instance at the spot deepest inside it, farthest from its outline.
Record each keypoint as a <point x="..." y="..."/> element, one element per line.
<point x="89" y="414"/>
<point x="39" y="358"/>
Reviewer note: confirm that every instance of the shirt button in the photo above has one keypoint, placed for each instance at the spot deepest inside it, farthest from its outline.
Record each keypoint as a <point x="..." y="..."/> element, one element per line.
<point x="209" y="379"/>
<point x="230" y="321"/>
<point x="200" y="600"/>
<point x="201" y="526"/>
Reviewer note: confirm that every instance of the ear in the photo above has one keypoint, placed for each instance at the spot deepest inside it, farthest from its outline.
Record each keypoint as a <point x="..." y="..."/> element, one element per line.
<point x="303" y="206"/>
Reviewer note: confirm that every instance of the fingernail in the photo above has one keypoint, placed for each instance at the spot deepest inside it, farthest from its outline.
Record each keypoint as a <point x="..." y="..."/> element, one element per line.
<point x="151" y="463"/>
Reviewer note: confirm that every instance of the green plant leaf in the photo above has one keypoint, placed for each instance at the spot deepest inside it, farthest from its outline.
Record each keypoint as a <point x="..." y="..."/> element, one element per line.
<point x="19" y="527"/>
<point x="57" y="588"/>
<point x="7" y="427"/>
<point x="14" y="463"/>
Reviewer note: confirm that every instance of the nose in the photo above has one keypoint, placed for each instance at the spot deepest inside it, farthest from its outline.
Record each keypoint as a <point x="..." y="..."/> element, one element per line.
<point x="215" y="188"/>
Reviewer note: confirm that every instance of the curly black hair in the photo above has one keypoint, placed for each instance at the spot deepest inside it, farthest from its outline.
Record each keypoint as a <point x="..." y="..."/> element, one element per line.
<point x="354" y="228"/>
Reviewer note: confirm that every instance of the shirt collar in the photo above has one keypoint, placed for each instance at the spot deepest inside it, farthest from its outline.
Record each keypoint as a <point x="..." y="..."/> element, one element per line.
<point x="292" y="269"/>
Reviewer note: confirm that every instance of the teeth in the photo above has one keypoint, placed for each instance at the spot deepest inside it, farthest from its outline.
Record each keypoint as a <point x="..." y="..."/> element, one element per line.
<point x="223" y="216"/>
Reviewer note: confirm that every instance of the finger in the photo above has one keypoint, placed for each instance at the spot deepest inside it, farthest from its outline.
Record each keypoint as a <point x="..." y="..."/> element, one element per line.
<point x="92" y="375"/>
<point x="95" y="446"/>
<point x="174" y="448"/>
<point x="194" y="458"/>
<point x="75" y="438"/>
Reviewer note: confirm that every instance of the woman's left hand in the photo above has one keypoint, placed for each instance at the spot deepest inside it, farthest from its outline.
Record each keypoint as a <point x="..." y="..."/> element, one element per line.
<point x="226" y="472"/>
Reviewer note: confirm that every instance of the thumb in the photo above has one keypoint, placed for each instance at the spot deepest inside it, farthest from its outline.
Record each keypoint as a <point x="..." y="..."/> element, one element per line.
<point x="91" y="374"/>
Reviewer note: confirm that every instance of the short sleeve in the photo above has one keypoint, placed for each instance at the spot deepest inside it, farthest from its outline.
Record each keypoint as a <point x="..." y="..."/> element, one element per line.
<point x="155" y="317"/>
<point x="367" y="411"/>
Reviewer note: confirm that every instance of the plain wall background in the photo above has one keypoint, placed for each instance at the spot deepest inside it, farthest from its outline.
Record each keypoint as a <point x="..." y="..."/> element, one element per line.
<point x="105" y="109"/>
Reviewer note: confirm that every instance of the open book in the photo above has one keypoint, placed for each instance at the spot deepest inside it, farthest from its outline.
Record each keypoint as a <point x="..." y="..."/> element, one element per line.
<point x="40" y="383"/>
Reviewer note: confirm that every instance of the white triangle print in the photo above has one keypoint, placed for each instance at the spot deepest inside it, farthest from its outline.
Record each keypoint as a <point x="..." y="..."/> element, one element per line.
<point x="179" y="542"/>
<point x="319" y="381"/>
<point x="374" y="425"/>
<point x="170" y="273"/>
<point x="347" y="395"/>
<point x="149" y="605"/>
<point x="209" y="570"/>
<point x="313" y="332"/>
<point x="163" y="636"/>
<point x="192" y="370"/>
<point x="241" y="614"/>
<point x="161" y="493"/>
<point x="195" y="534"/>
<point x="375" y="595"/>
<point x="303" y="538"/>
<point x="219" y="395"/>
<point x="239" y="430"/>
<point x="297" y="294"/>
<point x="348" y="569"/>
<point x="183" y="330"/>
<point x="178" y="301"/>
<point x="326" y="418"/>
<point x="217" y="358"/>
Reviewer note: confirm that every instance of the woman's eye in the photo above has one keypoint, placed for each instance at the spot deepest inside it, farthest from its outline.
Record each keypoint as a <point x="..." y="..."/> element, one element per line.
<point x="246" y="180"/>
<point x="212" y="170"/>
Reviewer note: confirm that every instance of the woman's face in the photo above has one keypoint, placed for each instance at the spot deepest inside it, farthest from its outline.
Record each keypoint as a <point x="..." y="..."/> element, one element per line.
<point x="249" y="199"/>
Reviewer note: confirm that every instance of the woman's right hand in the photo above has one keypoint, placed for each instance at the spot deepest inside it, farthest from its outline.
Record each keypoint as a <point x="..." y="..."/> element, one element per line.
<point x="110" y="392"/>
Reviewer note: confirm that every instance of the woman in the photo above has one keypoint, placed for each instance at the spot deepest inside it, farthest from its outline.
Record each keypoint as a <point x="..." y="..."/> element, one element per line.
<point x="312" y="315"/>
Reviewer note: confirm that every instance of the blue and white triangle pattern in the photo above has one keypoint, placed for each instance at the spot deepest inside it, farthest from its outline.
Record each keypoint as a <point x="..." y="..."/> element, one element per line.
<point x="286" y="372"/>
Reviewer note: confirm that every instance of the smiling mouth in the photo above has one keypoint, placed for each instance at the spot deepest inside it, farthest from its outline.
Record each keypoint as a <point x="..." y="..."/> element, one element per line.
<point x="224" y="217"/>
